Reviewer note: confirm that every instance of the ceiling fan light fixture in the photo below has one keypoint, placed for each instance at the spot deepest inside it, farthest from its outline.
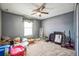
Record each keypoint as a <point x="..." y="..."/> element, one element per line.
<point x="38" y="14"/>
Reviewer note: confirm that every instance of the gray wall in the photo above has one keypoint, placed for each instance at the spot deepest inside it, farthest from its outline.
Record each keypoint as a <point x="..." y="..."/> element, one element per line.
<point x="61" y="23"/>
<point x="12" y="25"/>
<point x="36" y="26"/>
<point x="0" y="23"/>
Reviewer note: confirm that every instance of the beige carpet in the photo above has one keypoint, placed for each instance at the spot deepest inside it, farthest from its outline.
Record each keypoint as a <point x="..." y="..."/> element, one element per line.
<point x="42" y="48"/>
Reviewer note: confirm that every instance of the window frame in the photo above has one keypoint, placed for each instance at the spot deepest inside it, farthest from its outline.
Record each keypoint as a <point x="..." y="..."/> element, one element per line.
<point x="25" y="27"/>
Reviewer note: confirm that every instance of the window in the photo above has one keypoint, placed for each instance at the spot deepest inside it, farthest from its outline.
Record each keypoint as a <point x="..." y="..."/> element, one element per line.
<point x="27" y="28"/>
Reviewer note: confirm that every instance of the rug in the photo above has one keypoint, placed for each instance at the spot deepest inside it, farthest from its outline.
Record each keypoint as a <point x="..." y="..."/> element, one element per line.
<point x="42" y="48"/>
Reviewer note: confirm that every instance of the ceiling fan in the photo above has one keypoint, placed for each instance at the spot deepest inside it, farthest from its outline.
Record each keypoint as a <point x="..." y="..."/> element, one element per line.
<point x="40" y="10"/>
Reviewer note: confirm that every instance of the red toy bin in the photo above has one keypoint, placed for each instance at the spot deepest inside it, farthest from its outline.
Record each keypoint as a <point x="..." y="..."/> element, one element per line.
<point x="17" y="51"/>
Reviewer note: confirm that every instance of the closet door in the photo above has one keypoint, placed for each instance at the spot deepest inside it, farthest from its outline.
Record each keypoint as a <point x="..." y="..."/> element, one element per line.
<point x="76" y="28"/>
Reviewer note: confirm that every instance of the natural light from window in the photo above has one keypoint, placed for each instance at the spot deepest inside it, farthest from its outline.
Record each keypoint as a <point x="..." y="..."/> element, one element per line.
<point x="27" y="28"/>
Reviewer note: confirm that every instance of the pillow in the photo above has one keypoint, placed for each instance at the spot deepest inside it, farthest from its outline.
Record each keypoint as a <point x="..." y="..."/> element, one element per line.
<point x="58" y="38"/>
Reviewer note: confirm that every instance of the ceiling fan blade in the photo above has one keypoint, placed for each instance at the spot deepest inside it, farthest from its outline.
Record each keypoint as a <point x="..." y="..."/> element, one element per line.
<point x="42" y="7"/>
<point x="43" y="4"/>
<point x="36" y="10"/>
<point x="45" y="12"/>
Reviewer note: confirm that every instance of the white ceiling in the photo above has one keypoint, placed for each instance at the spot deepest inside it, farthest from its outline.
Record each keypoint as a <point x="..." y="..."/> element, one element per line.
<point x="26" y="9"/>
